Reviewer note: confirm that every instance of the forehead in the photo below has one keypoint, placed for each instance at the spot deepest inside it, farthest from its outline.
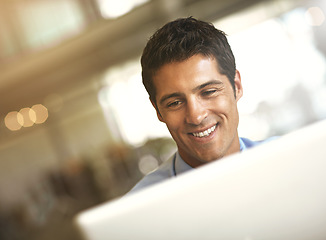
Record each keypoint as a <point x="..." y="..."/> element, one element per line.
<point x="193" y="64"/>
<point x="186" y="75"/>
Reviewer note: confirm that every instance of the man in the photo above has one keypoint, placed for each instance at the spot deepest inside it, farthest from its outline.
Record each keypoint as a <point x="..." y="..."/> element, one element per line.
<point x="189" y="72"/>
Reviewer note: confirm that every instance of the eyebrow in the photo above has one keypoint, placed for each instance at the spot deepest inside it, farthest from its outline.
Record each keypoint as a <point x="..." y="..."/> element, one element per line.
<point x="212" y="82"/>
<point x="178" y="94"/>
<point x="167" y="96"/>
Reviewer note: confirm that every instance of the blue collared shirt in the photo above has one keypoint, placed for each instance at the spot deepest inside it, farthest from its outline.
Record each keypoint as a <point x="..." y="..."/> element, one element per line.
<point x="175" y="166"/>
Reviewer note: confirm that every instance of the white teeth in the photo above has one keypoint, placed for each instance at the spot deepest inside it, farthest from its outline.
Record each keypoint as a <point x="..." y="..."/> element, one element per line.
<point x="204" y="133"/>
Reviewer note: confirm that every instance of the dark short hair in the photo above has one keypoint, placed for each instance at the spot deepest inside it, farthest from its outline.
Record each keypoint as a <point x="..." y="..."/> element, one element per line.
<point x="181" y="39"/>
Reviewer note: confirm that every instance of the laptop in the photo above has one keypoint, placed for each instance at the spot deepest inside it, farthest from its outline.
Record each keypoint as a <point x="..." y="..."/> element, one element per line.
<point x="274" y="191"/>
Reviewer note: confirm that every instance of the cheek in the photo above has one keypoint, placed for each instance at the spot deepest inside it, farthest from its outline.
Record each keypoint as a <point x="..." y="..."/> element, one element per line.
<point x="223" y="105"/>
<point x="226" y="107"/>
<point x="173" y="121"/>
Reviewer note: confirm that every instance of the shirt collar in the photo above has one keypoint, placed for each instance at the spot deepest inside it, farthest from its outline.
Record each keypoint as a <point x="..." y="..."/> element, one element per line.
<point x="180" y="165"/>
<point x="242" y="145"/>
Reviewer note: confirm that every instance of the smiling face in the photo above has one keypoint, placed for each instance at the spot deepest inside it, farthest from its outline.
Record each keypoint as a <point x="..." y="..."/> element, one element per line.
<point x="199" y="107"/>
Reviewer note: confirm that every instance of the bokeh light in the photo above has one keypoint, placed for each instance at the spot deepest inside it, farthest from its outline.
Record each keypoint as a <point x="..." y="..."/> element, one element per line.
<point x="25" y="112"/>
<point x="315" y="16"/>
<point x="41" y="113"/>
<point x="14" y="121"/>
<point x="147" y="164"/>
<point x="26" y="117"/>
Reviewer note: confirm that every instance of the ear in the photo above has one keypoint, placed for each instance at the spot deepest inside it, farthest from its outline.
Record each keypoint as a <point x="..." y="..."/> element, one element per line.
<point x="159" y="116"/>
<point x="238" y="85"/>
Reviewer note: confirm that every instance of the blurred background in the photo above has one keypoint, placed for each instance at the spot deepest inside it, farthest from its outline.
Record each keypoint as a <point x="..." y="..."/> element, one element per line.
<point x="76" y="126"/>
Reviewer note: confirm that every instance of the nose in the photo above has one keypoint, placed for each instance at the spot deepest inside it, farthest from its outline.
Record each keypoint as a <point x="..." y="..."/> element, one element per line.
<point x="196" y="112"/>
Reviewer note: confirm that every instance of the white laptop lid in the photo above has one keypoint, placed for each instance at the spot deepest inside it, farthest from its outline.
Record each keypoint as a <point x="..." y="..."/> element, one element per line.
<point x="274" y="191"/>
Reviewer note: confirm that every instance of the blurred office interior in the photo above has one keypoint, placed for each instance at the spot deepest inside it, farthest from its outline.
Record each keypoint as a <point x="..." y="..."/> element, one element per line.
<point x="76" y="126"/>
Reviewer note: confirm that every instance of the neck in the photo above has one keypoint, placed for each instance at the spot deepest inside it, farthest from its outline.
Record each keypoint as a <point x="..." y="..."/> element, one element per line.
<point x="199" y="161"/>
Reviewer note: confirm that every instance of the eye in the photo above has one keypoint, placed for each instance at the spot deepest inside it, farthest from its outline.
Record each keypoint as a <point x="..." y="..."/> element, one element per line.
<point x="209" y="92"/>
<point x="174" y="104"/>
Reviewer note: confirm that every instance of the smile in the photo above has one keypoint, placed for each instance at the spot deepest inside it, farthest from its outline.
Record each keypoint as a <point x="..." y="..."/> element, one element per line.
<point x="204" y="133"/>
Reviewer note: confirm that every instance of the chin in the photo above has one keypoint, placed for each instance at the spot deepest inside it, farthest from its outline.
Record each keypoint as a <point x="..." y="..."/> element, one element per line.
<point x="211" y="158"/>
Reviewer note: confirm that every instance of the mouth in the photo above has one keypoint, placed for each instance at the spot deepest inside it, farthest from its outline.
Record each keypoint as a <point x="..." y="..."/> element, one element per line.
<point x="204" y="133"/>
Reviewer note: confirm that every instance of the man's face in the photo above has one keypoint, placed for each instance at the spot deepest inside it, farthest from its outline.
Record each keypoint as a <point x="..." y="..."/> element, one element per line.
<point x="199" y="107"/>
